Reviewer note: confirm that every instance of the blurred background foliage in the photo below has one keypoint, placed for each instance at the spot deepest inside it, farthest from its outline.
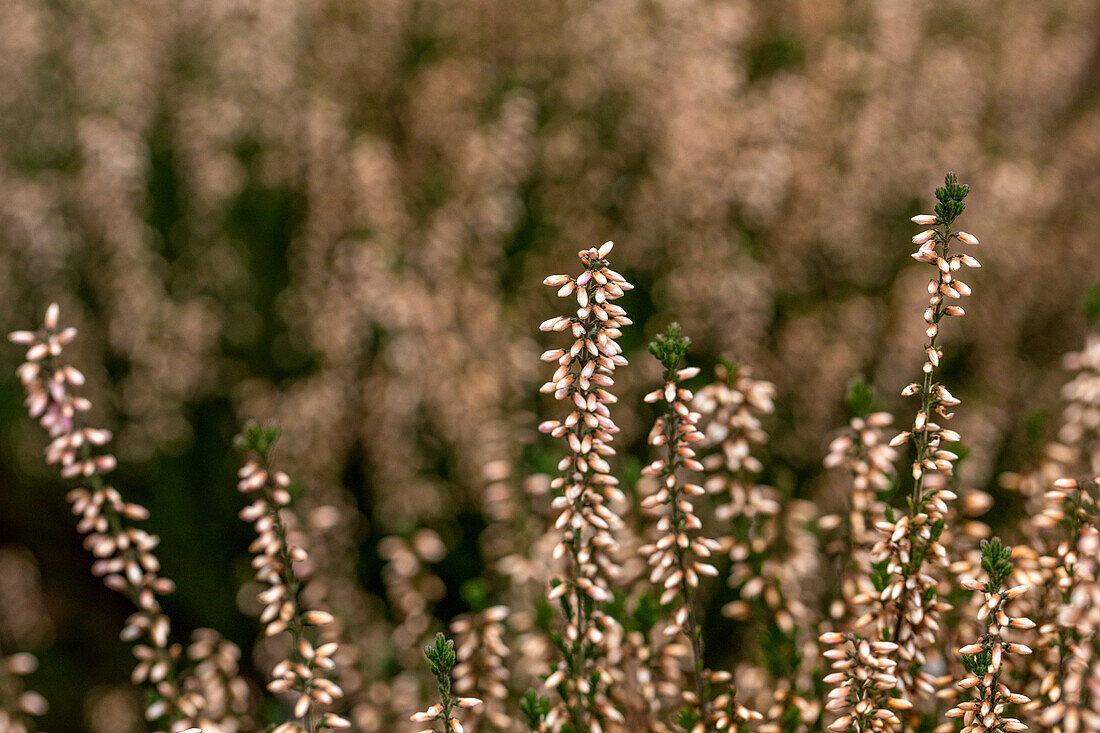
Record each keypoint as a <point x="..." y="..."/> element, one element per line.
<point x="338" y="215"/>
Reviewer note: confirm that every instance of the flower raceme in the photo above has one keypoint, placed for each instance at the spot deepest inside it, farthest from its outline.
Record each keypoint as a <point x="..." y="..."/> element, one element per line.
<point x="984" y="659"/>
<point x="862" y="671"/>
<point x="305" y="673"/>
<point x="909" y="608"/>
<point x="585" y="488"/>
<point x="680" y="554"/>
<point x="903" y="608"/>
<point x="123" y="552"/>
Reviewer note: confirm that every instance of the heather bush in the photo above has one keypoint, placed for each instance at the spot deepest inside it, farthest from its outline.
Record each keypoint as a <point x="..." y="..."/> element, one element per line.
<point x="335" y="216"/>
<point x="681" y="594"/>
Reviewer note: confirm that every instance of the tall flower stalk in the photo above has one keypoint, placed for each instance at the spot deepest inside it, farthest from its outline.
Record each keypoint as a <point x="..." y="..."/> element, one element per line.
<point x="123" y="552"/>
<point x="585" y="487"/>
<point x="1070" y="623"/>
<point x="907" y="544"/>
<point x="305" y="673"/>
<point x="680" y="555"/>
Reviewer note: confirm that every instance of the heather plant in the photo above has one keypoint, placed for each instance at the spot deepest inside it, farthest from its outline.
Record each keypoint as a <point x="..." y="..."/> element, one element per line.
<point x="123" y="552"/>
<point x="984" y="659"/>
<point x="304" y="673"/>
<point x="681" y="554"/>
<point x="332" y="213"/>
<point x="201" y="690"/>
<point x="441" y="662"/>
<point x="675" y="593"/>
<point x="905" y="605"/>
<point x="586" y="486"/>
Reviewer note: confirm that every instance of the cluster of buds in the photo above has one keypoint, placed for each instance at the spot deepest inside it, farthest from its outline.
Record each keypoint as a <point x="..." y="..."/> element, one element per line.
<point x="679" y="555"/>
<point x="18" y="705"/>
<point x="1080" y="430"/>
<point x="903" y="604"/>
<point x="219" y="696"/>
<point x="863" y="675"/>
<point x="984" y="659"/>
<point x="1070" y="627"/>
<point x="305" y="673"/>
<point x="862" y="452"/>
<point x="730" y="716"/>
<point x="1059" y="557"/>
<point x="910" y="610"/>
<point x="734" y="405"/>
<point x="585" y="488"/>
<point x="441" y="661"/>
<point x="123" y="553"/>
<point x="482" y="663"/>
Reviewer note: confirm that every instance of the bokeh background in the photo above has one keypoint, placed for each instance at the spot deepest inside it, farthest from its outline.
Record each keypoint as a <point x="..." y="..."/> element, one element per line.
<point x="338" y="214"/>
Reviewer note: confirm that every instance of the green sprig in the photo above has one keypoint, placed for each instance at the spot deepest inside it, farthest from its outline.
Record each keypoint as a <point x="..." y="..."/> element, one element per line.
<point x="670" y="348"/>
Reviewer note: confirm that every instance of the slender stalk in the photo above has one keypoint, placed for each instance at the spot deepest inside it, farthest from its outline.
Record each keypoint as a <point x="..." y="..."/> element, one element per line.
<point x="909" y="607"/>
<point x="673" y="555"/>
<point x="294" y="625"/>
<point x="123" y="552"/>
<point x="305" y="672"/>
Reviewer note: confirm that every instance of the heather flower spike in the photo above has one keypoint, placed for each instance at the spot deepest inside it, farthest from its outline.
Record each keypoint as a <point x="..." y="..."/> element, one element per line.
<point x="1068" y="615"/>
<point x="305" y="675"/>
<point x="123" y="552"/>
<point x="862" y="451"/>
<point x="680" y="555"/>
<point x="903" y="609"/>
<point x="985" y="660"/>
<point x="862" y="670"/>
<point x="585" y="488"/>
<point x="482" y="667"/>
<point x="441" y="661"/>
<point x="909" y="607"/>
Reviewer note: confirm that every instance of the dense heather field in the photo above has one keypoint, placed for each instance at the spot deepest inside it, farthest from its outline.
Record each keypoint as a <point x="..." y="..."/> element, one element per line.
<point x="338" y="217"/>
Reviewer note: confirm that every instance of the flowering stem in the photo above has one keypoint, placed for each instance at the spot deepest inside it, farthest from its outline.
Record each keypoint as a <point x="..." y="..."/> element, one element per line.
<point x="683" y="563"/>
<point x="123" y="553"/>
<point x="305" y="670"/>
<point x="910" y="541"/>
<point x="293" y="585"/>
<point x="675" y="430"/>
<point x="585" y="488"/>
